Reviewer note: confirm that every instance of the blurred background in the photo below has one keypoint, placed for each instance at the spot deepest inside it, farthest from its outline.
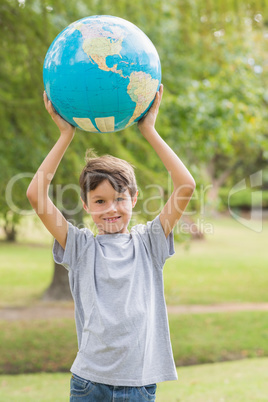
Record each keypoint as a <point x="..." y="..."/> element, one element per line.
<point x="214" y="57"/>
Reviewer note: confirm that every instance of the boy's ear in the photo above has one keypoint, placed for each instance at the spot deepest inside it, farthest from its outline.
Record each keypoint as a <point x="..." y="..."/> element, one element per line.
<point x="85" y="206"/>
<point x="134" y="199"/>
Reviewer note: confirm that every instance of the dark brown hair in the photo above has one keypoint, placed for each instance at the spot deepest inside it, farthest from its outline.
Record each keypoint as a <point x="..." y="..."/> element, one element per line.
<point x="118" y="172"/>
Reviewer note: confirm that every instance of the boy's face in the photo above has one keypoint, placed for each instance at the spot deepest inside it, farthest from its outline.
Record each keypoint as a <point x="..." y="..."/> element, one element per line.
<point x="111" y="211"/>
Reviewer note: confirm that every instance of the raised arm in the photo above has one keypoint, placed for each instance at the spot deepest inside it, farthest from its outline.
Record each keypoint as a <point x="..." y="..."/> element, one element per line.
<point x="183" y="182"/>
<point x="37" y="191"/>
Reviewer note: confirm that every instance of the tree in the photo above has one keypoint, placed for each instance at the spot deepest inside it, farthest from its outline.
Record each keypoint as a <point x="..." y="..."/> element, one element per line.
<point x="213" y="112"/>
<point x="219" y="109"/>
<point x="28" y="28"/>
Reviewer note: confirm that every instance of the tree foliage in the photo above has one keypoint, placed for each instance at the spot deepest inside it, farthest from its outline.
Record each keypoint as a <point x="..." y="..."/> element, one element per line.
<point x="214" y="107"/>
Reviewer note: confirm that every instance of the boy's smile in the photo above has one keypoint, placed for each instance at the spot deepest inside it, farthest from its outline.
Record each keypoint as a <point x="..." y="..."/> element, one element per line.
<point x="111" y="211"/>
<point x="112" y="220"/>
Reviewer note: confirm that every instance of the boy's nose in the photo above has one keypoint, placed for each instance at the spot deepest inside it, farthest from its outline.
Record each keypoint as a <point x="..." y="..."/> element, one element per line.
<point x="112" y="206"/>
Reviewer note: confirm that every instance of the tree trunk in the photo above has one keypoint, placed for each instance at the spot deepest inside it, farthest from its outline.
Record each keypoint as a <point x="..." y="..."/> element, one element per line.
<point x="213" y="201"/>
<point x="10" y="227"/>
<point x="10" y="232"/>
<point x="59" y="288"/>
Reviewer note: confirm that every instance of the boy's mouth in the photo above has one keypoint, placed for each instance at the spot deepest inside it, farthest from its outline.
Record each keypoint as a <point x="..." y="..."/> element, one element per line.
<point x="113" y="219"/>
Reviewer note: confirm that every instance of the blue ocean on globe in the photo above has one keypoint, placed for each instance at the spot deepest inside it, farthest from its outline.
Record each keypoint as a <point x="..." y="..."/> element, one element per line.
<point x="101" y="73"/>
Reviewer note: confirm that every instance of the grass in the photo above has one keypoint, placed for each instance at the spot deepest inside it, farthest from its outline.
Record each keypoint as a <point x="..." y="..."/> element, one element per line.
<point x="34" y="346"/>
<point x="39" y="345"/>
<point x="208" y="338"/>
<point x="240" y="381"/>
<point x="229" y="266"/>
<point x="26" y="271"/>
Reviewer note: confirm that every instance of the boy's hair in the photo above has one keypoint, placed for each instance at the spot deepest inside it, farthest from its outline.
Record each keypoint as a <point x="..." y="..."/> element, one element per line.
<point x="118" y="172"/>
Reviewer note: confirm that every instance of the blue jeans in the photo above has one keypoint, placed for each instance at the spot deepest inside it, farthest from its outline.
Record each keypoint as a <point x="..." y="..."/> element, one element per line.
<point x="87" y="391"/>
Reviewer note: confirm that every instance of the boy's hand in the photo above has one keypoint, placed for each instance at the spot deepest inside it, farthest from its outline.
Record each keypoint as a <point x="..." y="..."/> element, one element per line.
<point x="148" y="121"/>
<point x="64" y="127"/>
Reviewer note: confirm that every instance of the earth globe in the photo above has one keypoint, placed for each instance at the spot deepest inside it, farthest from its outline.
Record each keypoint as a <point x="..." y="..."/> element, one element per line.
<point x="101" y="73"/>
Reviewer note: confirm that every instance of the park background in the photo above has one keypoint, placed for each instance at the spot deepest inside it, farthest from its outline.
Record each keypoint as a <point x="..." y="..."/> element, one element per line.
<point x="214" y="115"/>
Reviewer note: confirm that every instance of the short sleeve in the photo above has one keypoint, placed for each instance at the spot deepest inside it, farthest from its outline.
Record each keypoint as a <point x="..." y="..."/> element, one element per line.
<point x="77" y="242"/>
<point x="155" y="240"/>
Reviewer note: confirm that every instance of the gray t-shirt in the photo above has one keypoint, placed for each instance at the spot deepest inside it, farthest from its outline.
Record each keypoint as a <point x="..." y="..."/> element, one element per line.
<point x="117" y="284"/>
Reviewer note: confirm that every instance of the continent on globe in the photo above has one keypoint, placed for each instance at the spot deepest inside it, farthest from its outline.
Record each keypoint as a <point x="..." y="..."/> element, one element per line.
<point x="142" y="89"/>
<point x="102" y="73"/>
<point x="99" y="44"/>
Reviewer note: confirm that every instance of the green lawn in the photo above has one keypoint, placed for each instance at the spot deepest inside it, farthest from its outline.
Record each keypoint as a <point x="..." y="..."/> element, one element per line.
<point x="229" y="266"/>
<point x="240" y="381"/>
<point x="25" y="272"/>
<point x="208" y="338"/>
<point x="35" y="346"/>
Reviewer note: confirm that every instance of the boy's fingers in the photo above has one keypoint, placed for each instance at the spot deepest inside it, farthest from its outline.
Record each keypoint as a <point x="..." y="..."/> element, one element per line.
<point x="50" y="107"/>
<point x="158" y="98"/>
<point x="48" y="104"/>
<point x="161" y="90"/>
<point x="45" y="98"/>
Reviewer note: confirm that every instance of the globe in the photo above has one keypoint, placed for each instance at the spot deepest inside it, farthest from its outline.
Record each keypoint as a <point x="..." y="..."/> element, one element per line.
<point x="101" y="73"/>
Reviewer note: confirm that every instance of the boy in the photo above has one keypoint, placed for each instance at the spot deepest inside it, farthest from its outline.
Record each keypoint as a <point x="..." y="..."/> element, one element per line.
<point x="116" y="277"/>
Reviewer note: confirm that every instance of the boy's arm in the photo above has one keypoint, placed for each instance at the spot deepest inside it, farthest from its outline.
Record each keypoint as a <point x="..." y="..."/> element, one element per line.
<point x="183" y="182"/>
<point x="37" y="191"/>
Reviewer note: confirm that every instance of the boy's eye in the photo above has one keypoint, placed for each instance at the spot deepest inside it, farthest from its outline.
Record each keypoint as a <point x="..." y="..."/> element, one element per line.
<point x="99" y="201"/>
<point x="120" y="199"/>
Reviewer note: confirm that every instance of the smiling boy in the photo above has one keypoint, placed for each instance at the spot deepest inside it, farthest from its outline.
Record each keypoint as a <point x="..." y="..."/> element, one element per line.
<point x="108" y="192"/>
<point x="116" y="277"/>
